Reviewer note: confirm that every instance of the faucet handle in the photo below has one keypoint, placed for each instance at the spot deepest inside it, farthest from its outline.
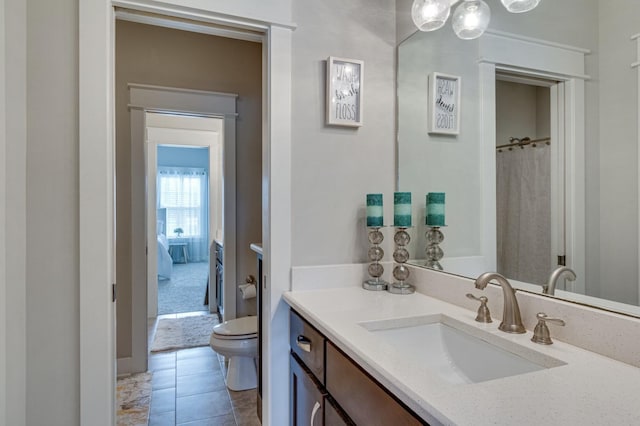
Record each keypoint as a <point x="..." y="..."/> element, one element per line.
<point x="541" y="333"/>
<point x="483" y="311"/>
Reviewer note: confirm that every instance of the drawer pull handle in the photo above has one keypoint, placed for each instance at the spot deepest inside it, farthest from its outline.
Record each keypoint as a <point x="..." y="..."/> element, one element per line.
<point x="316" y="407"/>
<point x="304" y="343"/>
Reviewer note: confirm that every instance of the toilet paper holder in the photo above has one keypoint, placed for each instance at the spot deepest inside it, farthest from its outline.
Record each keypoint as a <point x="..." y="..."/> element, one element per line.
<point x="249" y="289"/>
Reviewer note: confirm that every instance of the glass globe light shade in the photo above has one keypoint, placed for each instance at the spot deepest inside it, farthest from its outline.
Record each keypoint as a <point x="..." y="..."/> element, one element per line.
<point x="429" y="15"/>
<point x="471" y="19"/>
<point x="519" y="6"/>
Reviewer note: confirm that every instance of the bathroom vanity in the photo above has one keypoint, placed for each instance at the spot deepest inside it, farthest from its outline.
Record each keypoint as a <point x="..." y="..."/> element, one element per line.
<point x="367" y="370"/>
<point x="326" y="385"/>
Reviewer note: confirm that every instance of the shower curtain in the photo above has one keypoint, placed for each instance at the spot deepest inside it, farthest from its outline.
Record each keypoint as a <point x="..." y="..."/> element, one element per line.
<point x="524" y="213"/>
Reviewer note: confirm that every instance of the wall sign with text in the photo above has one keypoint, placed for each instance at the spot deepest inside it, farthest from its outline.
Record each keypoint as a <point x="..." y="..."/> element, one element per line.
<point x="344" y="92"/>
<point x="444" y="104"/>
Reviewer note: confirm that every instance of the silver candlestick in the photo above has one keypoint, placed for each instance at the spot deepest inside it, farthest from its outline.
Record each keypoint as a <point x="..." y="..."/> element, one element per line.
<point x="375" y="283"/>
<point x="400" y="271"/>
<point x="433" y="250"/>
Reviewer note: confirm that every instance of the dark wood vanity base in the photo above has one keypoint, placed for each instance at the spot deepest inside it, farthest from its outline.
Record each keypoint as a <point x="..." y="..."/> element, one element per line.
<point x="328" y="388"/>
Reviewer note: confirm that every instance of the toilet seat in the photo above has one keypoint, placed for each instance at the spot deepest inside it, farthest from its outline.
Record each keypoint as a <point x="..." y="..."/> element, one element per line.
<point x="237" y="340"/>
<point x="237" y="329"/>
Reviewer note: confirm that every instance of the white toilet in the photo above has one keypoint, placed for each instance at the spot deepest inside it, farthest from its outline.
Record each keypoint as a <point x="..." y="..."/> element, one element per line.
<point x="237" y="340"/>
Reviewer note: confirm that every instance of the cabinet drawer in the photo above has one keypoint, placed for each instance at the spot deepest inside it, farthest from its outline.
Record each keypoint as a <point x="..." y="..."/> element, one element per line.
<point x="360" y="396"/>
<point x="308" y="344"/>
<point x="307" y="397"/>
<point x="333" y="416"/>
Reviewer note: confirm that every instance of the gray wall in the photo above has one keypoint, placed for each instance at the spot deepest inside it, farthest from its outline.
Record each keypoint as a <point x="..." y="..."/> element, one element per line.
<point x="440" y="163"/>
<point x="333" y="167"/>
<point x="52" y="283"/>
<point x="172" y="156"/>
<point x="166" y="57"/>
<point x="618" y="151"/>
<point x="15" y="220"/>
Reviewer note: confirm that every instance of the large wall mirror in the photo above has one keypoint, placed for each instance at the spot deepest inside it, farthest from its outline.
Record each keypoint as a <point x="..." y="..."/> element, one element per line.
<point x="544" y="169"/>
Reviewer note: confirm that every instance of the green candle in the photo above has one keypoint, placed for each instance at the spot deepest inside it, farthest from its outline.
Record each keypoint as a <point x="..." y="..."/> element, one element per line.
<point x="402" y="209"/>
<point x="435" y="209"/>
<point x="374" y="210"/>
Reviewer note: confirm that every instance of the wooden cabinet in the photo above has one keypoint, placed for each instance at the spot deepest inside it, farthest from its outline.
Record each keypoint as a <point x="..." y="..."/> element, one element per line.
<point x="333" y="415"/>
<point x="324" y="379"/>
<point x="307" y="396"/>
<point x="308" y="344"/>
<point x="360" y="396"/>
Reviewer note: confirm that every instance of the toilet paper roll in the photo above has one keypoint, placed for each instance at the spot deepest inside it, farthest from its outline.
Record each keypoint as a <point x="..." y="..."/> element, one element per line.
<point x="248" y="291"/>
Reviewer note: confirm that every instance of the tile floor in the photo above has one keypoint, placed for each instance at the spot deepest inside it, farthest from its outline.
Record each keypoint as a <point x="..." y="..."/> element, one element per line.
<point x="188" y="389"/>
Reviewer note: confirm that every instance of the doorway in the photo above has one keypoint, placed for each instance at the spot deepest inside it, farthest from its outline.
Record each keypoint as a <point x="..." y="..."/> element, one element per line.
<point x="530" y="246"/>
<point x="98" y="68"/>
<point x="150" y="57"/>
<point x="184" y="202"/>
<point x="524" y="174"/>
<point x="214" y="128"/>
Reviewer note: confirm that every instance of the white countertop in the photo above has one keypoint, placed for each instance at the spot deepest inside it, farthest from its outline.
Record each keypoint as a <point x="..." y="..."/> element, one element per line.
<point x="589" y="390"/>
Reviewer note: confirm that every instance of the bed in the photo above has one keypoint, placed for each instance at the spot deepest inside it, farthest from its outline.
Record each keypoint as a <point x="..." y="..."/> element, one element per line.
<point x="165" y="263"/>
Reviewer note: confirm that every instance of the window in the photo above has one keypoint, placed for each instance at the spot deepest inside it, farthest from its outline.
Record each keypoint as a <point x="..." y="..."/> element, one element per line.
<point x="182" y="192"/>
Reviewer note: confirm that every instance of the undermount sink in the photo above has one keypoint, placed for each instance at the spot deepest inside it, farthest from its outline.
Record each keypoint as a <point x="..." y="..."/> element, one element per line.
<point x="457" y="352"/>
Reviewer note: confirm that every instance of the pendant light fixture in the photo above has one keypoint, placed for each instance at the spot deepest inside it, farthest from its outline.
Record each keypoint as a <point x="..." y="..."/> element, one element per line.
<point x="519" y="6"/>
<point x="470" y="19"/>
<point x="430" y="15"/>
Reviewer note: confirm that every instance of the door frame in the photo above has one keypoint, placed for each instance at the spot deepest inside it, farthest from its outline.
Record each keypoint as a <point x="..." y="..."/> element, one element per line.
<point x="215" y="157"/>
<point x="500" y="51"/>
<point x="636" y="66"/>
<point x="96" y="192"/>
<point x="148" y="98"/>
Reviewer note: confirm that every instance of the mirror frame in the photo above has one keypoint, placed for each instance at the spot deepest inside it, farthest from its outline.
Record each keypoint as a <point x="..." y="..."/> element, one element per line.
<point x="506" y="52"/>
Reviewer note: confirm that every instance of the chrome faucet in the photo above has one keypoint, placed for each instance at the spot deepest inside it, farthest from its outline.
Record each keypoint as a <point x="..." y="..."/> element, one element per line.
<point x="550" y="288"/>
<point x="511" y="321"/>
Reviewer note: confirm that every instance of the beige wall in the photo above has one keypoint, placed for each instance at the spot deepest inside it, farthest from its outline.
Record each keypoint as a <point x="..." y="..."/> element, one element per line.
<point x="165" y="57"/>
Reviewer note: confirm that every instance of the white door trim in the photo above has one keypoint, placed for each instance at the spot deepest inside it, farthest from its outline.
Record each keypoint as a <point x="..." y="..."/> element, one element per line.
<point x="96" y="212"/>
<point x="96" y="96"/>
<point x="636" y="66"/>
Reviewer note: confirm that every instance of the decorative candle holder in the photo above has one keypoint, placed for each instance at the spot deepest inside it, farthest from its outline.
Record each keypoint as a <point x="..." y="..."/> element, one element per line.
<point x="401" y="256"/>
<point x="375" y="283"/>
<point x="433" y="250"/>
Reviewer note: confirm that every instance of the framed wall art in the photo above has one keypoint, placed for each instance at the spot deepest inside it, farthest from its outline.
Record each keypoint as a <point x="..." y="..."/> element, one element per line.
<point x="344" y="92"/>
<point x="444" y="104"/>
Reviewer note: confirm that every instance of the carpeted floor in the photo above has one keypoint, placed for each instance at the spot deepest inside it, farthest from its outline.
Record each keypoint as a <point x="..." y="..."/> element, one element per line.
<point x="185" y="291"/>
<point x="133" y="399"/>
<point x="184" y="332"/>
